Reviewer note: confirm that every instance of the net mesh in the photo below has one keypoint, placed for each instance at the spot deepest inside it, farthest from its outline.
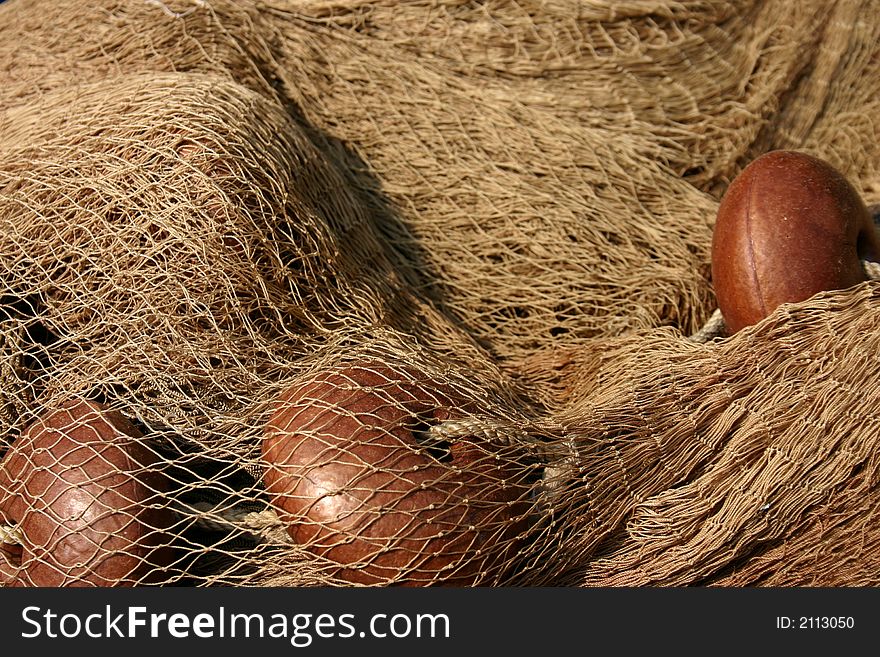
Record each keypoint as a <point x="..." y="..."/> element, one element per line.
<point x="379" y="293"/>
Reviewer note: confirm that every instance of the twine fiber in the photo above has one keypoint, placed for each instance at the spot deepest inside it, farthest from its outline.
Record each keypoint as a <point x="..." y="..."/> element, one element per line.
<point x="204" y="203"/>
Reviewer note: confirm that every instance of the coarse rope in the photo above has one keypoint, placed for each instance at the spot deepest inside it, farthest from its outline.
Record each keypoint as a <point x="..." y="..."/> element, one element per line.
<point x="10" y="535"/>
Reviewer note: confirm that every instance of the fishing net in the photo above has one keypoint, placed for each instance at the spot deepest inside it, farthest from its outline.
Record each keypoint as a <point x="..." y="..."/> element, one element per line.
<point x="407" y="293"/>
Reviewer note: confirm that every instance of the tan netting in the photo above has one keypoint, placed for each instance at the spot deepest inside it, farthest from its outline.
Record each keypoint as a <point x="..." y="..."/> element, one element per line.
<point x="369" y="293"/>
